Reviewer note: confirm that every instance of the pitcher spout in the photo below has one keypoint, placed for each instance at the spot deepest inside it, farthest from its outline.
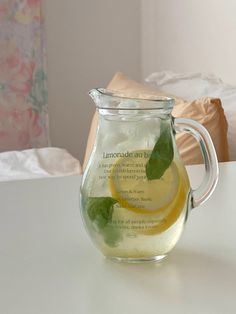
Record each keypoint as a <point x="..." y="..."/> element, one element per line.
<point x="94" y="94"/>
<point x="100" y="96"/>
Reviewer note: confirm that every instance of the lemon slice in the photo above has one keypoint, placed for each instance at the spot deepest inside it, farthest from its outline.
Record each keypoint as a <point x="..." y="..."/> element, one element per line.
<point x="174" y="211"/>
<point x="163" y="198"/>
<point x="130" y="186"/>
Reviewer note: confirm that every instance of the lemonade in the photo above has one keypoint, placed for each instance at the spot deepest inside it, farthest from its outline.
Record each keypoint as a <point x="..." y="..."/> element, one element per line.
<point x="135" y="191"/>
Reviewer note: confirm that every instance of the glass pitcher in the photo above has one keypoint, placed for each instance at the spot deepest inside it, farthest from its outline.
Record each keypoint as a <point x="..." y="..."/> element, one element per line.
<point x="135" y="191"/>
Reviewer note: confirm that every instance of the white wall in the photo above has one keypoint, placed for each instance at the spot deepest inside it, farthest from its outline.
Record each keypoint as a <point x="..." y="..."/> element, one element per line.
<point x="189" y="36"/>
<point x="87" y="42"/>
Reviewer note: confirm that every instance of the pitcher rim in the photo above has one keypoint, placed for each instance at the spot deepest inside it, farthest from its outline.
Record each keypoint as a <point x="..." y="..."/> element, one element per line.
<point x="159" y="101"/>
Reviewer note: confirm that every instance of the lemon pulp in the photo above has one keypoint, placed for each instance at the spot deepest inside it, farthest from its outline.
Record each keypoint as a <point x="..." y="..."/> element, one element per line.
<point x="163" y="199"/>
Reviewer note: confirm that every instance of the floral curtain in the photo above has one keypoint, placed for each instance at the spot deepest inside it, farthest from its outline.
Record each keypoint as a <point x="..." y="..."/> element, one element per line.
<point x="23" y="90"/>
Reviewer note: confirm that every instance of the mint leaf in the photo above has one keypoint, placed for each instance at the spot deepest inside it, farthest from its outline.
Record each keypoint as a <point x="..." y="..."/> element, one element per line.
<point x="100" y="211"/>
<point x="111" y="235"/>
<point x="161" y="155"/>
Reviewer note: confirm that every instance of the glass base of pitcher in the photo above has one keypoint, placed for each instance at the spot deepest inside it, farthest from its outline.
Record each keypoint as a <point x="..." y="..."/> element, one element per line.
<point x="136" y="260"/>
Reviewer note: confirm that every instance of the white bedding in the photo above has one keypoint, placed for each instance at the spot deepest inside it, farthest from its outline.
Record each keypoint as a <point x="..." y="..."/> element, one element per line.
<point x="37" y="163"/>
<point x="195" y="85"/>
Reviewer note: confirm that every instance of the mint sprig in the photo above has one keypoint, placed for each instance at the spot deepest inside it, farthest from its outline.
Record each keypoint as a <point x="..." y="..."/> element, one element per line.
<point x="161" y="155"/>
<point x="100" y="211"/>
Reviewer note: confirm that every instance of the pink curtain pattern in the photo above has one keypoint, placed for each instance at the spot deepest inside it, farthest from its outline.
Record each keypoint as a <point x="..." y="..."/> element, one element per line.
<point x="23" y="89"/>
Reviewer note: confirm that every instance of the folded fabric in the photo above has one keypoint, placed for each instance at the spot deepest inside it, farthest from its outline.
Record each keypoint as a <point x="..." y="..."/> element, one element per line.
<point x="192" y="86"/>
<point x="208" y="111"/>
<point x="37" y="163"/>
<point x="188" y="86"/>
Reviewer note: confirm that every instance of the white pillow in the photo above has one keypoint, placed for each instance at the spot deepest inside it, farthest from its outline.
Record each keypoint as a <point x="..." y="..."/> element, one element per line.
<point x="37" y="163"/>
<point x="196" y="85"/>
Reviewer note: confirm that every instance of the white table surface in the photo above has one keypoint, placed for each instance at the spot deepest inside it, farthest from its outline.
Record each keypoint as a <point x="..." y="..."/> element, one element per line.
<point x="49" y="266"/>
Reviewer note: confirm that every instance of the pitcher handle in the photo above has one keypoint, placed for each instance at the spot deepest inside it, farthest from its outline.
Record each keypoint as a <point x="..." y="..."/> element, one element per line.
<point x="207" y="186"/>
